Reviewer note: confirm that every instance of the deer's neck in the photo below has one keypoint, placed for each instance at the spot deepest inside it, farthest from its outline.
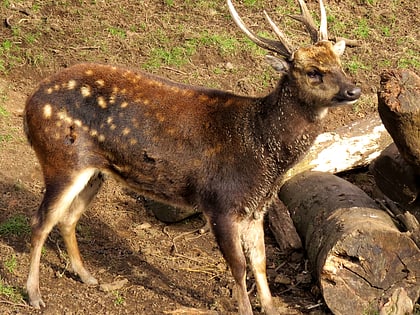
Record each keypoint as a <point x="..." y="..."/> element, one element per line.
<point x="288" y="125"/>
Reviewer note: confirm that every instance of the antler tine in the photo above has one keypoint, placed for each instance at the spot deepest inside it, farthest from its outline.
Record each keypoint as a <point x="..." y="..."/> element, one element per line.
<point x="272" y="45"/>
<point x="282" y="37"/>
<point x="306" y="19"/>
<point x="323" y="34"/>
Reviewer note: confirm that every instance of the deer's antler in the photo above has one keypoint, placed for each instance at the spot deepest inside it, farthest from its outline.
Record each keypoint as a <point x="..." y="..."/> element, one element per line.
<point x="282" y="46"/>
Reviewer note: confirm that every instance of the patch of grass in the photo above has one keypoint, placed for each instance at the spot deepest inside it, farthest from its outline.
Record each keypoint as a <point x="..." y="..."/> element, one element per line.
<point x="335" y="25"/>
<point x="225" y="43"/>
<point x="250" y="3"/>
<point x="385" y="63"/>
<point x="410" y="60"/>
<point x="369" y="2"/>
<point x="15" y="226"/>
<point x="117" y="32"/>
<point x="386" y="31"/>
<point x="362" y="29"/>
<point x="10" y="292"/>
<point x="5" y="138"/>
<point x="354" y="66"/>
<point x="175" y="56"/>
<point x="8" y="57"/>
<point x="119" y="299"/>
<point x="10" y="264"/>
<point x="4" y="112"/>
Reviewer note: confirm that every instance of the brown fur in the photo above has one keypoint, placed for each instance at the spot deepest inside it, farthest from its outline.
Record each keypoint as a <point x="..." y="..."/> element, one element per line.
<point x="187" y="146"/>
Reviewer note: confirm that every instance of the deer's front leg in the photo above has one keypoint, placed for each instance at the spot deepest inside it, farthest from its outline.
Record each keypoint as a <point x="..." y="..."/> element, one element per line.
<point x="252" y="235"/>
<point x="226" y="231"/>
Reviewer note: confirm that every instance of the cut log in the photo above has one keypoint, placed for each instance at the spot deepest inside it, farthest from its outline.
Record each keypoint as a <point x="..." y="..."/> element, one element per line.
<point x="345" y="148"/>
<point x="399" y="109"/>
<point x="167" y="213"/>
<point x="395" y="177"/>
<point x="282" y="227"/>
<point x="398" y="181"/>
<point x="358" y="254"/>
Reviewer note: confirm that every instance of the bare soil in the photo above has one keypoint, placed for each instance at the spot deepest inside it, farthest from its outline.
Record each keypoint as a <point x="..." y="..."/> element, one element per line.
<point x="149" y="267"/>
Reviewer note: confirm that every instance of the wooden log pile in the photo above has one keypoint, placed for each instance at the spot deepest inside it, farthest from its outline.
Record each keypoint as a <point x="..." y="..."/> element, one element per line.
<point x="358" y="254"/>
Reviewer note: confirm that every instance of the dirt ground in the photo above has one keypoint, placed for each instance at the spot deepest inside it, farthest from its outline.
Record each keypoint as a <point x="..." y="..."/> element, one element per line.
<point x="146" y="266"/>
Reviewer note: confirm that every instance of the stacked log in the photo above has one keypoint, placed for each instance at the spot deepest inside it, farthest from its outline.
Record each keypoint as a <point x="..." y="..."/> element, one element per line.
<point x="397" y="170"/>
<point x="359" y="256"/>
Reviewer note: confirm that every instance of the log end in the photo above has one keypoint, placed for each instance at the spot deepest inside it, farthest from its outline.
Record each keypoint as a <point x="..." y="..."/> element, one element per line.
<point x="362" y="271"/>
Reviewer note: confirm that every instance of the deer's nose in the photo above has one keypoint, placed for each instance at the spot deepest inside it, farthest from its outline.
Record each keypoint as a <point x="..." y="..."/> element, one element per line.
<point x="353" y="93"/>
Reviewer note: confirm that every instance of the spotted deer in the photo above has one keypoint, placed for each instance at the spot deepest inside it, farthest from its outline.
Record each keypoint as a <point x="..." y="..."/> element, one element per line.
<point x="183" y="145"/>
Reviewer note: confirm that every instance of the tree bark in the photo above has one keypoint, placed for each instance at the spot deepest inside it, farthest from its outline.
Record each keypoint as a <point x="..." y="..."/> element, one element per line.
<point x="399" y="109"/>
<point x="358" y="254"/>
<point x="282" y="227"/>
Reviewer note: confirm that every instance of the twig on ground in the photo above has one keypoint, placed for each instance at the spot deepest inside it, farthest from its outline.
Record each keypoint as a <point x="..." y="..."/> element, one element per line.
<point x="14" y="304"/>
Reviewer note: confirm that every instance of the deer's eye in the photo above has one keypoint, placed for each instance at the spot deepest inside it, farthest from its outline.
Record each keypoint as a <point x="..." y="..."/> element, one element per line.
<point x="314" y="75"/>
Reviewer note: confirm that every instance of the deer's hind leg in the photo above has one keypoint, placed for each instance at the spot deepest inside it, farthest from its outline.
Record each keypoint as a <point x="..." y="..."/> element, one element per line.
<point x="64" y="201"/>
<point x="67" y="226"/>
<point x="227" y="232"/>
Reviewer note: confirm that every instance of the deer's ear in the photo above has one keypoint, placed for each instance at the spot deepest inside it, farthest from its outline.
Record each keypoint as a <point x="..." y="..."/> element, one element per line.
<point x="278" y="64"/>
<point x="339" y="47"/>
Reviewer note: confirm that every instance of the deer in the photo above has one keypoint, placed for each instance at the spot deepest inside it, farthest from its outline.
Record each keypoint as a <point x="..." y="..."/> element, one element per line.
<point x="183" y="145"/>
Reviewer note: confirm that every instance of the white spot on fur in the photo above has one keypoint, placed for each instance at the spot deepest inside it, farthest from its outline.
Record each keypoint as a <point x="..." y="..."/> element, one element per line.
<point x="71" y="85"/>
<point x="47" y="110"/>
<point x="101" y="102"/>
<point x="100" y="83"/>
<point x="86" y="91"/>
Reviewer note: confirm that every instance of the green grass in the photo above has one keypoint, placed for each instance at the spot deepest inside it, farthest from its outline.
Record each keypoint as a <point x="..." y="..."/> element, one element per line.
<point x="119" y="299"/>
<point x="118" y="32"/>
<point x="175" y="56"/>
<point x="178" y="56"/>
<point x="225" y="43"/>
<point x="4" y="112"/>
<point x="362" y="29"/>
<point x="11" y="293"/>
<point x="6" y="138"/>
<point x="10" y="264"/>
<point x="9" y="52"/>
<point x="355" y="65"/>
<point x="15" y="226"/>
<point x="410" y="60"/>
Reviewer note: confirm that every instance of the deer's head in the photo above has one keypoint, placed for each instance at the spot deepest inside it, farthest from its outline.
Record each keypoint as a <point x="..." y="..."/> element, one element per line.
<point x="315" y="71"/>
